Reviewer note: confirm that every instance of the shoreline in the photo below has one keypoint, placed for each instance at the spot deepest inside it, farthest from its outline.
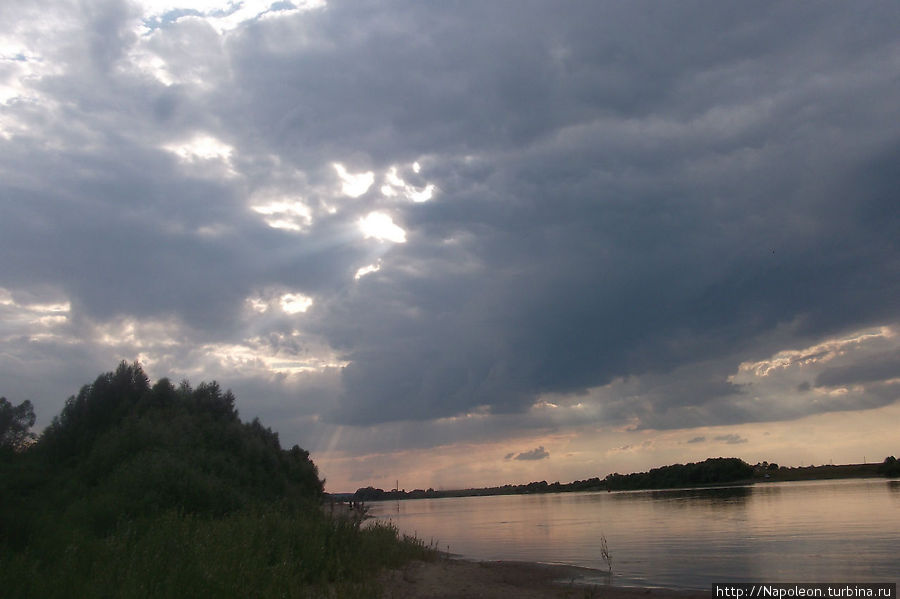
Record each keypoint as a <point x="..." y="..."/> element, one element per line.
<point x="447" y="577"/>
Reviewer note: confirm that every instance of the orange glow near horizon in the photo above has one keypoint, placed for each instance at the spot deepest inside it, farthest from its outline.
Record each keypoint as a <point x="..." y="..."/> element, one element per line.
<point x="589" y="452"/>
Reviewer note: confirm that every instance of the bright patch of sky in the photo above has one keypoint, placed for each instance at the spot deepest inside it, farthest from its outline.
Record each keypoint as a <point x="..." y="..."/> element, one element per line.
<point x="395" y="186"/>
<point x="22" y="66"/>
<point x="204" y="155"/>
<point x="16" y="65"/>
<point x="295" y="303"/>
<point x="222" y="15"/>
<point x="380" y="226"/>
<point x="258" y="305"/>
<point x="354" y="185"/>
<point x="368" y="269"/>
<point x="818" y="354"/>
<point x="154" y="336"/>
<point x="151" y="63"/>
<point x="288" y="214"/>
<point x="201" y="147"/>
<point x="36" y="319"/>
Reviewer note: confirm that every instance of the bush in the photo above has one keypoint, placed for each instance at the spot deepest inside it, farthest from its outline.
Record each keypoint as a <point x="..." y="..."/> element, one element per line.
<point x="140" y="491"/>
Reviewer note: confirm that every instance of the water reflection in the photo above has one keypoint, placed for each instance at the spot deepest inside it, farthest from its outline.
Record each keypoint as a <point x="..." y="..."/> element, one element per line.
<point x="685" y="537"/>
<point x="714" y="497"/>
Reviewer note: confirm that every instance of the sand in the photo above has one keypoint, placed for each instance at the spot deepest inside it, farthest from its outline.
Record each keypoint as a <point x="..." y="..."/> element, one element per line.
<point x="460" y="579"/>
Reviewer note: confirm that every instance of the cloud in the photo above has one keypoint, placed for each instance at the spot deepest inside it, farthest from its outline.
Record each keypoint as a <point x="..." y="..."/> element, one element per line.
<point x="730" y="439"/>
<point x="538" y="453"/>
<point x="419" y="220"/>
<point x="697" y="440"/>
<point x="879" y="369"/>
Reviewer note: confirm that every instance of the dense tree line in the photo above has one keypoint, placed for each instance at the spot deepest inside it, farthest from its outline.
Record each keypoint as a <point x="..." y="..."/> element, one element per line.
<point x="122" y="448"/>
<point x="890" y="466"/>
<point x="163" y="490"/>
<point x="708" y="472"/>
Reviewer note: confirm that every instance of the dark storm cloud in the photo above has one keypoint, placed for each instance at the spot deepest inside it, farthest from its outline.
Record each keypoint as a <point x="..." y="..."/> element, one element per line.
<point x="538" y="453"/>
<point x="881" y="368"/>
<point x="624" y="192"/>
<point x="609" y="229"/>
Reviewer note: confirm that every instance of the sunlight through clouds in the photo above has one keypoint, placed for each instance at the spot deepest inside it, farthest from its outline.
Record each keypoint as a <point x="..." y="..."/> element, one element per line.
<point x="17" y="67"/>
<point x="201" y="147"/>
<point x="37" y="320"/>
<point x="204" y="154"/>
<point x="290" y="215"/>
<point x="380" y="226"/>
<point x="295" y="303"/>
<point x="258" y="305"/>
<point x="368" y="269"/>
<point x="222" y="15"/>
<point x="255" y="356"/>
<point x="291" y="303"/>
<point x="817" y="354"/>
<point x="147" y="62"/>
<point x="395" y="186"/>
<point x="354" y="185"/>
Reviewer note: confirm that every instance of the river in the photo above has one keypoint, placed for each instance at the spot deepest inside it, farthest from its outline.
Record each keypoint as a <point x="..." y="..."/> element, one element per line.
<point x="811" y="531"/>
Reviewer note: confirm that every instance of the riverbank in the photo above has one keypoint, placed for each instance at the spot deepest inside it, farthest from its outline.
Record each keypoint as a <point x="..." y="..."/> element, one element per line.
<point x="462" y="579"/>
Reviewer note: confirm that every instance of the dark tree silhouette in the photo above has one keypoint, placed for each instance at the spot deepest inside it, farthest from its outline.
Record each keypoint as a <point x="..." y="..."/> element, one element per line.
<point x="15" y="424"/>
<point x="890" y="466"/>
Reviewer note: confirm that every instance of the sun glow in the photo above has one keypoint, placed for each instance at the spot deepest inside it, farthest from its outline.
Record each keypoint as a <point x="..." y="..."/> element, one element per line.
<point x="820" y="353"/>
<point x="354" y="185"/>
<point x="395" y="186"/>
<point x="368" y="269"/>
<point x="201" y="147"/>
<point x="381" y="227"/>
<point x="287" y="214"/>
<point x="222" y="15"/>
<point x="295" y="303"/>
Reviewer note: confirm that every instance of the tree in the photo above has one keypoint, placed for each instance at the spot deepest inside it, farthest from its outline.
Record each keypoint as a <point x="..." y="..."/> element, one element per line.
<point x="890" y="466"/>
<point x="15" y="424"/>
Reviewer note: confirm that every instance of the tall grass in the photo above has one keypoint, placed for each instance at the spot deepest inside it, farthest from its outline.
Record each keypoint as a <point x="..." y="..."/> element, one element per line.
<point x="254" y="553"/>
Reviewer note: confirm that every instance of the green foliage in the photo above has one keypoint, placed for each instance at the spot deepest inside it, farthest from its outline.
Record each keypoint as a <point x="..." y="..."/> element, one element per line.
<point x="15" y="425"/>
<point x="708" y="472"/>
<point x="146" y="491"/>
<point x="158" y="448"/>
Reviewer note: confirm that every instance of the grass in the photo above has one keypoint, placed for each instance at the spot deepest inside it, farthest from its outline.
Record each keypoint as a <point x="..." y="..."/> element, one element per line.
<point x="254" y="553"/>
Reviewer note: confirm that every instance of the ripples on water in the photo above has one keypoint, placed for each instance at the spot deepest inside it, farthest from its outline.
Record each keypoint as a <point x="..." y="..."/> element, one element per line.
<point x="819" y="531"/>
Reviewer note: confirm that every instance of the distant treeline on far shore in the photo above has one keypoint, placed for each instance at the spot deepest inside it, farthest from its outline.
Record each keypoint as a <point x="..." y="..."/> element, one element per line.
<point x="709" y="472"/>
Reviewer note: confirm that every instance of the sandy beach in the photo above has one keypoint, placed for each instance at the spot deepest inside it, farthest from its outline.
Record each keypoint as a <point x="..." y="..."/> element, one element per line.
<point x="446" y="578"/>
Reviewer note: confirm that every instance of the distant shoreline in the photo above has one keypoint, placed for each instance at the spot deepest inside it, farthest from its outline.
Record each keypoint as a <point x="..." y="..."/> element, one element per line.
<point x="761" y="473"/>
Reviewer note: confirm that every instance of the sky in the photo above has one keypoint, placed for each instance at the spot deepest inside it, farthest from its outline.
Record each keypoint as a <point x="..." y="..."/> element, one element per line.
<point x="465" y="243"/>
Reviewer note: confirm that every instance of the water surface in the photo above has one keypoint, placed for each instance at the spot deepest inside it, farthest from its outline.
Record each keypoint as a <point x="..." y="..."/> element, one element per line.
<point x="818" y="531"/>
